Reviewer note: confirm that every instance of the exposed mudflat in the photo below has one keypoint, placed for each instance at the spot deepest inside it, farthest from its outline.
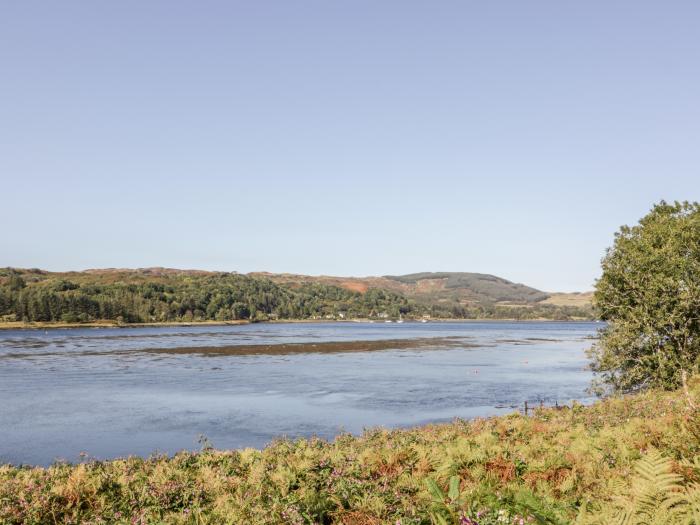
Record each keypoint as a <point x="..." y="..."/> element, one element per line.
<point x="328" y="347"/>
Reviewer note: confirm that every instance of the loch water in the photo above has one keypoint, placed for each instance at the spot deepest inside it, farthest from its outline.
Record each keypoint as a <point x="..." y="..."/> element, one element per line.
<point x="108" y="392"/>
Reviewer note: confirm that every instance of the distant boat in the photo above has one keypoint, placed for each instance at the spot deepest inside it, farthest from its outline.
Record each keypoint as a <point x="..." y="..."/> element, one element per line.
<point x="424" y="321"/>
<point x="400" y="319"/>
<point x="388" y="321"/>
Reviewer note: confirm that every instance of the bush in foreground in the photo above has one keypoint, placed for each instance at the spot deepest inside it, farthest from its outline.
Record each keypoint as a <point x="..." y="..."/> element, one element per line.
<point x="557" y="466"/>
<point x="649" y="293"/>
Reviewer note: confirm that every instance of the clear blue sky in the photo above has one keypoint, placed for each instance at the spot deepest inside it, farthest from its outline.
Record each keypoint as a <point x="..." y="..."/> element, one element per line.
<point x="343" y="137"/>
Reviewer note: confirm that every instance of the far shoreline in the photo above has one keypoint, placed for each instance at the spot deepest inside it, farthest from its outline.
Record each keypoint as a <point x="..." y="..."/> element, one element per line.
<point x="57" y="325"/>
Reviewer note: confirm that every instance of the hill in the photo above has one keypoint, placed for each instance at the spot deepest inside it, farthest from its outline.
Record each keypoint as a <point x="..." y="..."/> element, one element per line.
<point x="466" y="288"/>
<point x="158" y="295"/>
<point x="469" y="287"/>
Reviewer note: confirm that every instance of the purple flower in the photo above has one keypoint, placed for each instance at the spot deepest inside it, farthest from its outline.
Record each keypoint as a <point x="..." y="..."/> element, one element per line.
<point x="466" y="520"/>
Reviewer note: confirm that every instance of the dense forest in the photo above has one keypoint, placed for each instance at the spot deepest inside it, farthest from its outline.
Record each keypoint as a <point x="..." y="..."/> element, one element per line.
<point x="143" y="296"/>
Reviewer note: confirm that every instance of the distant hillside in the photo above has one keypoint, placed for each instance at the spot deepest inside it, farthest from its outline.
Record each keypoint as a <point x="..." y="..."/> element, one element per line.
<point x="461" y="293"/>
<point x="154" y="295"/>
<point x="428" y="287"/>
<point x="469" y="287"/>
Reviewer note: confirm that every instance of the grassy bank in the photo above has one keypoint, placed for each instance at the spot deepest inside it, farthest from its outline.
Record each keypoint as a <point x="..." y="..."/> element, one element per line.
<point x="546" y="468"/>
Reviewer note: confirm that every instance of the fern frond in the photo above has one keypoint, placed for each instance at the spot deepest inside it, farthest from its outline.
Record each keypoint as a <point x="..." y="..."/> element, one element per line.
<point x="656" y="497"/>
<point x="655" y="468"/>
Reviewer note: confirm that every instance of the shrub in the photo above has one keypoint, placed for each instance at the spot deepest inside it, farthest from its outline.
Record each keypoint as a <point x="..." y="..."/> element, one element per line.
<point x="649" y="293"/>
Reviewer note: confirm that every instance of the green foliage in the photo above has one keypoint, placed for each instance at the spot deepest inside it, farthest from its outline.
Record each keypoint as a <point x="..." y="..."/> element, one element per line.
<point x="15" y="283"/>
<point x="634" y="458"/>
<point x="445" y="508"/>
<point x="649" y="293"/>
<point x="135" y="297"/>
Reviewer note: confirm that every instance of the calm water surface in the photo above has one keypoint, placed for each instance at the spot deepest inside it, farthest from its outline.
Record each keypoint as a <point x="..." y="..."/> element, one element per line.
<point x="115" y="392"/>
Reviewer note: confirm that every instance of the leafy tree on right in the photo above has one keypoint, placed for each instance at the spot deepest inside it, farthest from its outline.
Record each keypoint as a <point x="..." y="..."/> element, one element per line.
<point x="649" y="294"/>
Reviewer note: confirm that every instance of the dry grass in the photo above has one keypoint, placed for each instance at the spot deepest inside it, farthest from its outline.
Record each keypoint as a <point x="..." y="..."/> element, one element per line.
<point x="579" y="300"/>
